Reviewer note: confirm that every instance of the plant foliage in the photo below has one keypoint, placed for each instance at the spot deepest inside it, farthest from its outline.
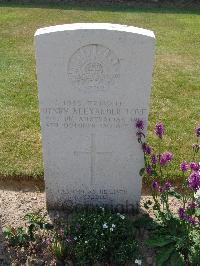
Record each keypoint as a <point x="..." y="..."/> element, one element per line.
<point x="176" y="238"/>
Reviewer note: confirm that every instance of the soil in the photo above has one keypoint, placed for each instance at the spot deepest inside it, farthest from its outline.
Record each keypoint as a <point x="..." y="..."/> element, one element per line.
<point x="18" y="198"/>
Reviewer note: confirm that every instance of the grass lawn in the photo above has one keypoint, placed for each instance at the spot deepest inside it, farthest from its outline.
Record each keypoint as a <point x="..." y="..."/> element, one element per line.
<point x="175" y="97"/>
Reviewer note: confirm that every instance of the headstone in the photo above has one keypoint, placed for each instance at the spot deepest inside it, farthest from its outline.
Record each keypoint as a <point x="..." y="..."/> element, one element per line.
<point x="94" y="80"/>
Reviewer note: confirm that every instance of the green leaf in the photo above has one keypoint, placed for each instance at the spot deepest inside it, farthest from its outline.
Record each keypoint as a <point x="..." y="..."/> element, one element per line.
<point x="154" y="173"/>
<point x="141" y="173"/>
<point x="147" y="204"/>
<point x="175" y="194"/>
<point x="7" y="231"/>
<point x="159" y="241"/>
<point x="48" y="226"/>
<point x="30" y="231"/>
<point x="164" y="255"/>
<point x="176" y="259"/>
<point x="145" y="222"/>
<point x="197" y="212"/>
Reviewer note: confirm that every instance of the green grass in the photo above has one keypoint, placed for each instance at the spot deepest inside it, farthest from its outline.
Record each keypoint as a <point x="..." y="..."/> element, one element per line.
<point x="175" y="97"/>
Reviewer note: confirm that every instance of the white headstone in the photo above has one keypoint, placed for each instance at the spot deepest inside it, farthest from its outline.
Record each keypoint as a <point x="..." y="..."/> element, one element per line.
<point x="94" y="80"/>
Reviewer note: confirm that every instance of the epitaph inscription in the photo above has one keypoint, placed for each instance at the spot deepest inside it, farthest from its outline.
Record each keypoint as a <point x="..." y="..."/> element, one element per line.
<point x="93" y="67"/>
<point x="101" y="195"/>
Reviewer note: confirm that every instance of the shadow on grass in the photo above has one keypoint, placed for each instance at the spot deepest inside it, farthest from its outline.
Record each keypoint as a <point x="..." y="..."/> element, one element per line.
<point x="31" y="184"/>
<point x="22" y="184"/>
<point x="106" y="7"/>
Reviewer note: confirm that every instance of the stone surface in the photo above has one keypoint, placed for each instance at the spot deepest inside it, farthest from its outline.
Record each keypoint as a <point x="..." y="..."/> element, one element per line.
<point x="94" y="80"/>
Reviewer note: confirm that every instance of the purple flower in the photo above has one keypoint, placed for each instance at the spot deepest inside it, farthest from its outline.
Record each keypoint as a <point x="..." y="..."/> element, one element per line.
<point x="168" y="156"/>
<point x="155" y="185"/>
<point x="184" y="216"/>
<point x="181" y="213"/>
<point x="194" y="180"/>
<point x="192" y="205"/>
<point x="159" y="129"/>
<point x="184" y="166"/>
<point x="149" y="169"/>
<point x="139" y="124"/>
<point x="194" y="166"/>
<point x="167" y="185"/>
<point x="146" y="148"/>
<point x="191" y="219"/>
<point x="197" y="130"/>
<point x="163" y="160"/>
<point x="165" y="157"/>
<point x="154" y="159"/>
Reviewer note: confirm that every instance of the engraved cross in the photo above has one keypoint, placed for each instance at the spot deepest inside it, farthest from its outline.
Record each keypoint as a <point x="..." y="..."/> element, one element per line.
<point x="93" y="152"/>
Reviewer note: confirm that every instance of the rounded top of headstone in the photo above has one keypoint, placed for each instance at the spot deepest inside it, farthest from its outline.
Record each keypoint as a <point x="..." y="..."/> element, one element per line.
<point x="95" y="26"/>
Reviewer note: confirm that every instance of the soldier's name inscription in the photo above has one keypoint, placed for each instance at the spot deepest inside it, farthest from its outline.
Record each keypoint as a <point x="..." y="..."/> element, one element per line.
<point x="91" y="114"/>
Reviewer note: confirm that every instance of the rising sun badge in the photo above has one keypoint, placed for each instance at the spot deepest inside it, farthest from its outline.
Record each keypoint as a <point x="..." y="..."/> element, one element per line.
<point x="93" y="68"/>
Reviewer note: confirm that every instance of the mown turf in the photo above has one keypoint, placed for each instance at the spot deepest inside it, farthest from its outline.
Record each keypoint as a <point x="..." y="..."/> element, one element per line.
<point x="175" y="97"/>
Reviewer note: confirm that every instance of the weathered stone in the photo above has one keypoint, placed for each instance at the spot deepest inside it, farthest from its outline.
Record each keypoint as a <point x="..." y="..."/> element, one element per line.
<point x="94" y="81"/>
